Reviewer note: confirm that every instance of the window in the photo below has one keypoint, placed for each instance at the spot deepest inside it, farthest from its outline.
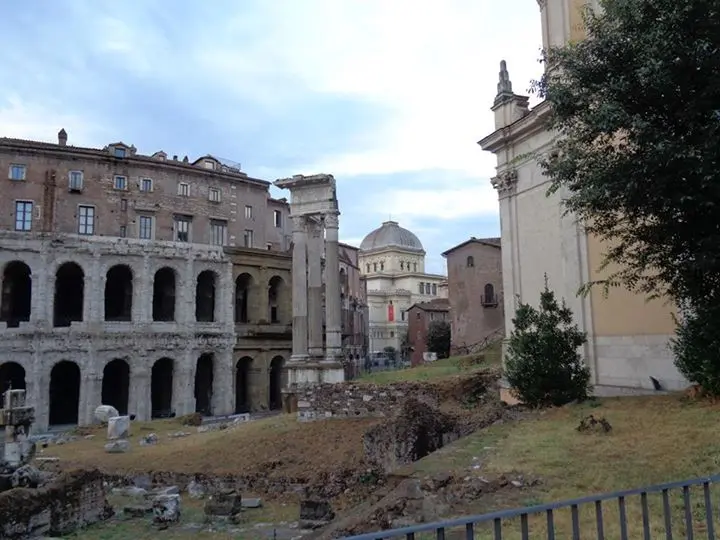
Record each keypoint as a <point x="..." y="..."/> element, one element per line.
<point x="218" y="231"/>
<point x="248" y="238"/>
<point x="427" y="288"/>
<point x="269" y="246"/>
<point x="432" y="316"/>
<point x="367" y="267"/>
<point x="414" y="267"/>
<point x="374" y="267"/>
<point x="209" y="164"/>
<point x="146" y="185"/>
<point x="470" y="261"/>
<point x="23" y="215"/>
<point x="402" y="265"/>
<point x="248" y="212"/>
<point x="392" y="334"/>
<point x="417" y="315"/>
<point x="214" y="195"/>
<point x="183" y="189"/>
<point x="120" y="152"/>
<point x="421" y="287"/>
<point x="145" y="227"/>
<point x="434" y="289"/>
<point x="123" y="205"/>
<point x="120" y="182"/>
<point x="402" y="315"/>
<point x="488" y="298"/>
<point x="277" y="218"/>
<point x="123" y="231"/>
<point x="182" y="229"/>
<point x="86" y="220"/>
<point x="382" y="266"/>
<point x="75" y="180"/>
<point x="17" y="172"/>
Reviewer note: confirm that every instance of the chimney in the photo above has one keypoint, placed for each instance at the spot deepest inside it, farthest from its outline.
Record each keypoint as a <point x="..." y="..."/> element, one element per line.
<point x="62" y="137"/>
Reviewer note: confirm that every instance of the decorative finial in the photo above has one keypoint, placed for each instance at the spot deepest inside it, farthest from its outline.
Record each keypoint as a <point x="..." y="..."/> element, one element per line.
<point x="504" y="85"/>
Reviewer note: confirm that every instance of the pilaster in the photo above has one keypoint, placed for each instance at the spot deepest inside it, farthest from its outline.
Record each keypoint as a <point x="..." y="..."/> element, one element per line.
<point x="183" y="400"/>
<point x="299" y="292"/>
<point x="223" y="382"/>
<point x="187" y="295"/>
<point x="142" y="293"/>
<point x="94" y="292"/>
<point x="140" y="398"/>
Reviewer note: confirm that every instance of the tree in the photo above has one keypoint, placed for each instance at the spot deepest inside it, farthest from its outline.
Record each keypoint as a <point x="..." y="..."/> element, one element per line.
<point x="638" y="154"/>
<point x="438" y="338"/>
<point x="391" y="353"/>
<point x="542" y="363"/>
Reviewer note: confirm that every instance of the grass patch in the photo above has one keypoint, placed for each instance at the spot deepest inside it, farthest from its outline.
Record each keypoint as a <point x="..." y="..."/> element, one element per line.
<point x="439" y="369"/>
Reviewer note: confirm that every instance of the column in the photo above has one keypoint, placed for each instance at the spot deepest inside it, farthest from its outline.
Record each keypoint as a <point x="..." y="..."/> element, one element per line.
<point x="140" y="398"/>
<point x="187" y="292"/>
<point x="223" y="398"/>
<point x="183" y="398"/>
<point x="299" y="292"/>
<point x="333" y="339"/>
<point x="314" y="311"/>
<point x="142" y="292"/>
<point x="94" y="292"/>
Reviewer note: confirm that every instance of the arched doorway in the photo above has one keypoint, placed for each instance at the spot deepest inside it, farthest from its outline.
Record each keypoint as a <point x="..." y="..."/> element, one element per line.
<point x="243" y="285"/>
<point x="164" y="295"/>
<point x="12" y="375"/>
<point x="16" y="294"/>
<point x="118" y="293"/>
<point x="116" y="385"/>
<point x="69" y="294"/>
<point x="277" y="381"/>
<point x="205" y="297"/>
<point x="204" y="384"/>
<point x="161" y="388"/>
<point x="64" y="393"/>
<point x="242" y="385"/>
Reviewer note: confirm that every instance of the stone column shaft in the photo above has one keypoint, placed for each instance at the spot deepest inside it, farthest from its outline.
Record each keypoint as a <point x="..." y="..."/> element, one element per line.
<point x="333" y="340"/>
<point x="315" y="315"/>
<point x="299" y="292"/>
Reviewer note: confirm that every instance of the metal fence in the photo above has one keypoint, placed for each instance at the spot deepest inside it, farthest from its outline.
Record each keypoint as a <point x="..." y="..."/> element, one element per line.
<point x="675" y="510"/>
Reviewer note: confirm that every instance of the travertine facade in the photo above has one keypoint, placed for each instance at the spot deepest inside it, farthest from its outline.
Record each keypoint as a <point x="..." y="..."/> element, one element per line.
<point x="475" y="292"/>
<point x="126" y="281"/>
<point x="627" y="336"/>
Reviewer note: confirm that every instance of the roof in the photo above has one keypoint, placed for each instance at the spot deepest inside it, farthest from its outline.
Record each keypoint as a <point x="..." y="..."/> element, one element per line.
<point x="492" y="242"/>
<point x="390" y="234"/>
<point x="439" y="304"/>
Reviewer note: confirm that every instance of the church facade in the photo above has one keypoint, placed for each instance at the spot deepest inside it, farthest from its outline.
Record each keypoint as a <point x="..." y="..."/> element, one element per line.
<point x="627" y="347"/>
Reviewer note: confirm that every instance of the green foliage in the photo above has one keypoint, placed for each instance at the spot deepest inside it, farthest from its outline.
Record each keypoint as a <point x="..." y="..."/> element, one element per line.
<point x="638" y="158"/>
<point x="696" y="347"/>
<point x="542" y="362"/>
<point x="438" y="338"/>
<point x="391" y="353"/>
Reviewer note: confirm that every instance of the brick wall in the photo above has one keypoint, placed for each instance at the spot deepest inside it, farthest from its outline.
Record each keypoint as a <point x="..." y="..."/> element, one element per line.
<point x="419" y="318"/>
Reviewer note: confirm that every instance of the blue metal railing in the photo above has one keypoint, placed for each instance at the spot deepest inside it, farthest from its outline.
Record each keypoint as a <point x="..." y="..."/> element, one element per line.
<point x="494" y="521"/>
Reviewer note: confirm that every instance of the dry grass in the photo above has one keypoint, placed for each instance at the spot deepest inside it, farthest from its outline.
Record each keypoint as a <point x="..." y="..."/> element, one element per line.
<point x="653" y="440"/>
<point x="281" y="444"/>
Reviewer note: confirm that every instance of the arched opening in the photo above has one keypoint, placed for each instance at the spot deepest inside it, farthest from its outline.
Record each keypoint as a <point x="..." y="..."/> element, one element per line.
<point x="276" y="295"/>
<point x="489" y="292"/>
<point x="16" y="294"/>
<point x="161" y="387"/>
<point x="243" y="284"/>
<point x="116" y="385"/>
<point x="118" y="293"/>
<point x="64" y="393"/>
<point x="470" y="261"/>
<point x="69" y="294"/>
<point x="12" y="375"/>
<point x="204" y="384"/>
<point x="242" y="385"/>
<point x="205" y="297"/>
<point x="277" y="381"/>
<point x="164" y="295"/>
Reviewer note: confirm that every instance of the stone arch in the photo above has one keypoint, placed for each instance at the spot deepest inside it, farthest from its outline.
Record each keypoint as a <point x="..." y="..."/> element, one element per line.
<point x="243" y="288"/>
<point x="164" y="294"/>
<point x="64" y="393"/>
<point x="243" y="368"/>
<point x="69" y="298"/>
<point x="116" y="385"/>
<point x="161" y="387"/>
<point x="205" y="301"/>
<point x="277" y="300"/>
<point x="119" y="293"/>
<point x="15" y="304"/>
<point x="470" y="261"/>
<point x="488" y="293"/>
<point x="204" y="384"/>
<point x="12" y="375"/>
<point x="277" y="380"/>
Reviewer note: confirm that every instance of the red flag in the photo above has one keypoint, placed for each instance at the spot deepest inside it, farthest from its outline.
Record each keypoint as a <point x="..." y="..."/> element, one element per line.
<point x="391" y="313"/>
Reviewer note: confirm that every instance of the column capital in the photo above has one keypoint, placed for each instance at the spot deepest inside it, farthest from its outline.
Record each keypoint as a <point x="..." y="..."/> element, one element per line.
<point x="299" y="223"/>
<point x="331" y="219"/>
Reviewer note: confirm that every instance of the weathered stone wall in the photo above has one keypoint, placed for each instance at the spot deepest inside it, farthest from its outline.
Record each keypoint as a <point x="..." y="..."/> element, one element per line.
<point x="73" y="500"/>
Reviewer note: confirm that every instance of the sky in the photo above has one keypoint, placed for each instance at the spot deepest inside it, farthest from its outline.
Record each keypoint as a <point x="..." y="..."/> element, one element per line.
<point x="389" y="96"/>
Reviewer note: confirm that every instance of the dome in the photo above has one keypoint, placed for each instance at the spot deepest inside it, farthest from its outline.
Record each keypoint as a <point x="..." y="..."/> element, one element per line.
<point x="390" y="234"/>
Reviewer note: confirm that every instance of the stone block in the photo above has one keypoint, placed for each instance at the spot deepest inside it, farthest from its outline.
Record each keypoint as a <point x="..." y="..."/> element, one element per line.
<point x="195" y="490"/>
<point x="118" y="427"/>
<point x="224" y="503"/>
<point x="316" y="510"/>
<point x="117" y="447"/>
<point x="103" y="413"/>
<point x="166" y="509"/>
<point x="251" y="503"/>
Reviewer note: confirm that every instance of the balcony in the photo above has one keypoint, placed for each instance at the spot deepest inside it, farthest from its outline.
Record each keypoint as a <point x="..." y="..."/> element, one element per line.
<point x="490" y="301"/>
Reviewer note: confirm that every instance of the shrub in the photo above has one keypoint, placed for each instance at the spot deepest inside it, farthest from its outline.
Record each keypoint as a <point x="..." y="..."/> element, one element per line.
<point x="438" y="338"/>
<point x="543" y="366"/>
<point x="696" y="347"/>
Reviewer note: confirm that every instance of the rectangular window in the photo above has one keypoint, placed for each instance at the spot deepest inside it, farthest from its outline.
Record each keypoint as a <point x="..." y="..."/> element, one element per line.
<point x="214" y="195"/>
<point x="123" y="231"/>
<point x="427" y="288"/>
<point x="75" y="180"/>
<point x="146" y="185"/>
<point x="120" y="182"/>
<point x="86" y="220"/>
<point x="218" y="231"/>
<point x="17" y="172"/>
<point x="123" y="205"/>
<point x="434" y="289"/>
<point x="402" y="315"/>
<point x="145" y="228"/>
<point x="209" y="164"/>
<point x="23" y="215"/>
<point x="248" y="238"/>
<point x="277" y="218"/>
<point x="182" y="229"/>
<point x="183" y="189"/>
<point x="248" y="212"/>
<point x="269" y="246"/>
<point x="421" y="288"/>
<point x="120" y="152"/>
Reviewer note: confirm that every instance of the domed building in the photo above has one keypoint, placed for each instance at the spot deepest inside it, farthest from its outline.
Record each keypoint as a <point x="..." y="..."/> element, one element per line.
<point x="392" y="261"/>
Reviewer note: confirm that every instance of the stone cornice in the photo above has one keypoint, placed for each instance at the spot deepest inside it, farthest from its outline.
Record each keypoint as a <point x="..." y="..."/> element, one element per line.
<point x="532" y="123"/>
